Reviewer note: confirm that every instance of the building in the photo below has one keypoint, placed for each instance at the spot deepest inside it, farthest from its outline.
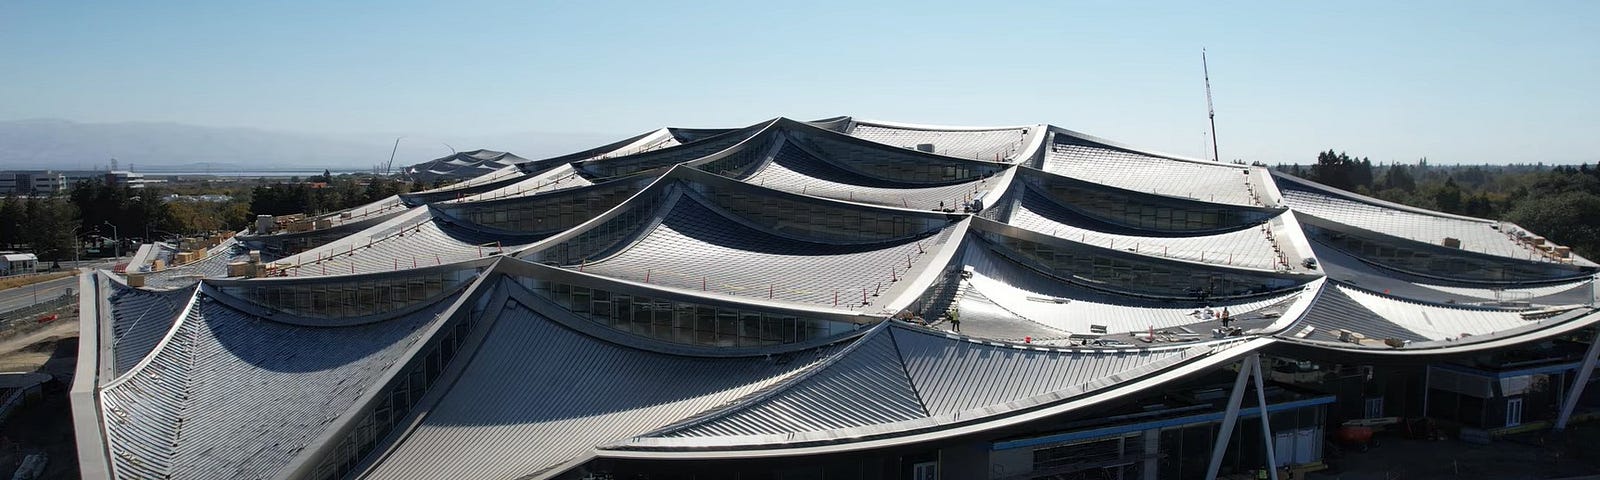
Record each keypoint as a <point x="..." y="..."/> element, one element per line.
<point x="50" y="182"/>
<point x="832" y="299"/>
<point x="33" y="183"/>
<point x="13" y="263"/>
<point x="123" y="178"/>
<point x="463" y="165"/>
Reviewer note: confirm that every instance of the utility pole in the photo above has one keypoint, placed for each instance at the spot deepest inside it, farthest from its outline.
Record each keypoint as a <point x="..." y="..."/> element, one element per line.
<point x="1211" y="112"/>
<point x="77" y="260"/>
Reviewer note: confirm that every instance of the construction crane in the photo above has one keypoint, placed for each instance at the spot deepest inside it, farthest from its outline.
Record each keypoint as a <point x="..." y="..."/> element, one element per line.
<point x="389" y="165"/>
<point x="1211" y="112"/>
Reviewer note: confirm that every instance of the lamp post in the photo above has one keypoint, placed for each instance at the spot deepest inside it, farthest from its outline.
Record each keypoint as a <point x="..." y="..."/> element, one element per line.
<point x="115" y="239"/>
<point x="76" y="261"/>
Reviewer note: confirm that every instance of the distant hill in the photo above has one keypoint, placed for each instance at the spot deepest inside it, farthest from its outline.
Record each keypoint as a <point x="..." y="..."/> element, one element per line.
<point x="154" y="147"/>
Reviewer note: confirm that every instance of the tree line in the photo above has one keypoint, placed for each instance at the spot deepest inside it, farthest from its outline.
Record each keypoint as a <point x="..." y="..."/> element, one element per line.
<point x="324" y="193"/>
<point x="96" y="212"/>
<point x="1559" y="202"/>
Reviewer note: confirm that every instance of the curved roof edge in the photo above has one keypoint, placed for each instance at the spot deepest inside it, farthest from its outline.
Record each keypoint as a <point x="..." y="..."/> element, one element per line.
<point x="1123" y="146"/>
<point x="305" y="463"/>
<point x="1007" y="230"/>
<point x="637" y="342"/>
<point x="908" y="290"/>
<point x="166" y="338"/>
<point x="1051" y="176"/>
<point x="1578" y="271"/>
<point x="1031" y="147"/>
<point x="941" y="128"/>
<point x="743" y="134"/>
<point x="212" y="289"/>
<point x="343" y="228"/>
<point x="1496" y="340"/>
<point x="692" y="175"/>
<point x="1298" y="308"/>
<point x="864" y="143"/>
<point x="932" y="422"/>
<point x="94" y="458"/>
<point x="512" y="174"/>
<point x="1356" y="197"/>
<point x="1296" y="234"/>
<point x="1221" y="355"/>
<point x="517" y="266"/>
<point x="450" y="211"/>
<point x="405" y="219"/>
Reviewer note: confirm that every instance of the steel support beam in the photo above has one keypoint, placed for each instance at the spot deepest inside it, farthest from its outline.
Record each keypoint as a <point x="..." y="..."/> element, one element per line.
<point x="1266" y="427"/>
<point x="1250" y="366"/>
<point x="1234" y="397"/>
<point x="1231" y="417"/>
<point x="1578" y="383"/>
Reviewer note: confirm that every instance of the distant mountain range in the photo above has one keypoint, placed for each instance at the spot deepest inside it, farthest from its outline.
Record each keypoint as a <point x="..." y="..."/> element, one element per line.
<point x="156" y="147"/>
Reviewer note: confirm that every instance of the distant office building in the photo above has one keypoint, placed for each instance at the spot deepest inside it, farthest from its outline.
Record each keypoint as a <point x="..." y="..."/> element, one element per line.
<point x="125" y="178"/>
<point x="43" y="182"/>
<point x="49" y="182"/>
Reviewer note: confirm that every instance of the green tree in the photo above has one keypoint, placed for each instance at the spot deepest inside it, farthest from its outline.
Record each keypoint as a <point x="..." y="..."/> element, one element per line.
<point x="12" y="216"/>
<point x="1568" y="218"/>
<point x="1399" y="176"/>
<point x="1448" y="197"/>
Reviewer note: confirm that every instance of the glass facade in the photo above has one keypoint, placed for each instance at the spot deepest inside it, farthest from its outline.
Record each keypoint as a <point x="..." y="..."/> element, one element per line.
<point x="355" y="298"/>
<point x="818" y="221"/>
<point x="681" y="322"/>
<point x="1140" y="212"/>
<point x="397" y="398"/>
<point x="290" y="244"/>
<point x="610" y="168"/>
<point x="739" y="164"/>
<point x="896" y="166"/>
<point x="602" y="237"/>
<point x="1136" y="276"/>
<point x="549" y="213"/>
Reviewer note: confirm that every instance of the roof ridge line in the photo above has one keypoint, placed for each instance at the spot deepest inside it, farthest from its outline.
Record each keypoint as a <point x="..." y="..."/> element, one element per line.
<point x="166" y="338"/>
<point x="900" y="358"/>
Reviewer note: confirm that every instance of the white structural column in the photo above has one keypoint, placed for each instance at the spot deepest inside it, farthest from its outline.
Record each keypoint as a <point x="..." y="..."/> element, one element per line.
<point x="1266" y="427"/>
<point x="1579" y="382"/>
<point x="1228" y="419"/>
<point x="1249" y="367"/>
<point x="1152" y="452"/>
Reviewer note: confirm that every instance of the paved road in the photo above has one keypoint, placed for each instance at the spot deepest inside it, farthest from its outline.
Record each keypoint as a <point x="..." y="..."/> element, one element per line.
<point x="14" y="298"/>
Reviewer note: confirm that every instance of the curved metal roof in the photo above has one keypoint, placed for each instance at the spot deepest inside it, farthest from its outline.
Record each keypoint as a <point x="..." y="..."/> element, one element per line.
<point x="651" y="298"/>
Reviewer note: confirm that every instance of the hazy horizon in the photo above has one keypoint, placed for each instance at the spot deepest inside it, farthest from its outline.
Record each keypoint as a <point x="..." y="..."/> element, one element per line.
<point x="1456" y="82"/>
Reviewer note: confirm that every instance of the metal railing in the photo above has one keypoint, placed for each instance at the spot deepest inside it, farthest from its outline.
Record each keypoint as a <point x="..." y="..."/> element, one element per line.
<point x="32" y="313"/>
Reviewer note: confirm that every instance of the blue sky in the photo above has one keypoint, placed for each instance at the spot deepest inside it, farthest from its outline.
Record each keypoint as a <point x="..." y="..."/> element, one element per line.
<point x="1458" y="82"/>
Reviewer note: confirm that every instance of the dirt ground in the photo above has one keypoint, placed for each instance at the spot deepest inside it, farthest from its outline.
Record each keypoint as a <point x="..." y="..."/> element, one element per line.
<point x="30" y="351"/>
<point x="1573" y="454"/>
